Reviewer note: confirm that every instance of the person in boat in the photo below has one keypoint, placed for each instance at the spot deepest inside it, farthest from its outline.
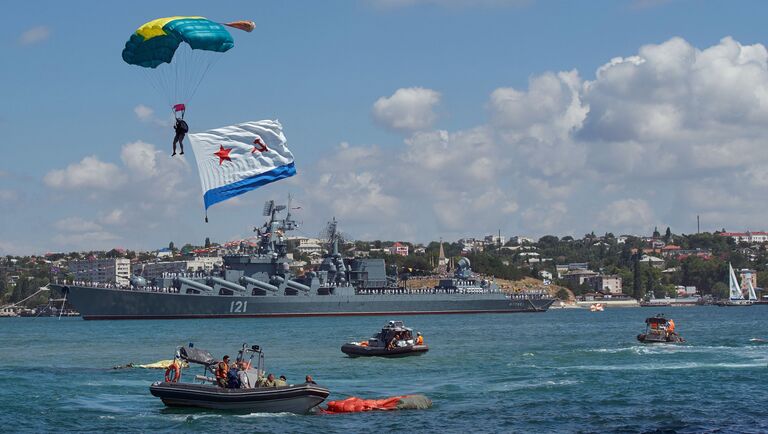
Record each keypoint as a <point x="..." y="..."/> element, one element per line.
<point x="233" y="378"/>
<point x="281" y="382"/>
<point x="308" y="379"/>
<point x="419" y="339"/>
<point x="670" y="327"/>
<point x="408" y="337"/>
<point x="222" y="369"/>
<point x="394" y="341"/>
<point x="270" y="381"/>
<point x="242" y="375"/>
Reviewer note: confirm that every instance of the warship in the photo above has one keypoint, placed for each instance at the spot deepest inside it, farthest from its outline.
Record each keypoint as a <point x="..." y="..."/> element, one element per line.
<point x="260" y="283"/>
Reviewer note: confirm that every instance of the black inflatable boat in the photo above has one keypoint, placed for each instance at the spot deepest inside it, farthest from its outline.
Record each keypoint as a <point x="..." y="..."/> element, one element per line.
<point x="394" y="340"/>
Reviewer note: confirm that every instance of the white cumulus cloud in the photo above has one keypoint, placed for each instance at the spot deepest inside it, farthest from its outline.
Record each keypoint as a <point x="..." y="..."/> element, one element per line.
<point x="408" y="109"/>
<point x="89" y="173"/>
<point x="627" y="213"/>
<point x="143" y="112"/>
<point x="140" y="158"/>
<point x="34" y="35"/>
<point x="77" y="224"/>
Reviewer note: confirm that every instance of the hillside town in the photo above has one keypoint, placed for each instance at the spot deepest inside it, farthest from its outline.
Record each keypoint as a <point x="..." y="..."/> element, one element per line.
<point x="630" y="269"/>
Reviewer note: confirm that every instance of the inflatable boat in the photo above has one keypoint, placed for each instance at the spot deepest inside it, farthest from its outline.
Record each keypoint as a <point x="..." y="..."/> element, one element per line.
<point x="659" y="330"/>
<point x="394" y="340"/>
<point x="248" y="393"/>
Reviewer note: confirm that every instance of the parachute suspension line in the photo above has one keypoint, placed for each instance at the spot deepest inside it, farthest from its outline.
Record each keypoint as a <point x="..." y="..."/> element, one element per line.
<point x="155" y="81"/>
<point x="202" y="76"/>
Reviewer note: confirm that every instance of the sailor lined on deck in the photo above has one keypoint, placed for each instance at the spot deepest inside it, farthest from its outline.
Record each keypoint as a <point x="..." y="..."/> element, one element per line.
<point x="308" y="379"/>
<point x="222" y="369"/>
<point x="671" y="327"/>
<point x="419" y="339"/>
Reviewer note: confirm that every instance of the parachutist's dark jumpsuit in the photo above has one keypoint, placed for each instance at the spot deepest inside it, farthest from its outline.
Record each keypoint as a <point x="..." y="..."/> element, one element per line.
<point x="181" y="128"/>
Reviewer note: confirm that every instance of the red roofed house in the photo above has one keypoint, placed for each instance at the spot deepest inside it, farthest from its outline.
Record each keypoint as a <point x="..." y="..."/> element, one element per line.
<point x="398" y="249"/>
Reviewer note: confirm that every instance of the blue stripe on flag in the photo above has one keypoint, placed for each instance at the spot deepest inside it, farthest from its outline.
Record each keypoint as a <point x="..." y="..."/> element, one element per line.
<point x="216" y="195"/>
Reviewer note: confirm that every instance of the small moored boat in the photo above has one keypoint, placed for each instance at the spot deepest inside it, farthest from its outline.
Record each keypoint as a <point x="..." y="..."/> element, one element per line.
<point x="394" y="340"/>
<point x="659" y="330"/>
<point x="299" y="398"/>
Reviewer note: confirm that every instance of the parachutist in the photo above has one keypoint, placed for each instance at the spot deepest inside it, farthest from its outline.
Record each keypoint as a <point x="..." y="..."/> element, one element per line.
<point x="181" y="129"/>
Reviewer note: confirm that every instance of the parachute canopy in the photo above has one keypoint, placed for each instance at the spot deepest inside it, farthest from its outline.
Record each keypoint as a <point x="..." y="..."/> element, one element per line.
<point x="155" y="42"/>
<point x="177" y="52"/>
<point x="354" y="404"/>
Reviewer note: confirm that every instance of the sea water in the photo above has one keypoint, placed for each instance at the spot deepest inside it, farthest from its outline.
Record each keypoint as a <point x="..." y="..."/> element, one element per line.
<point x="560" y="371"/>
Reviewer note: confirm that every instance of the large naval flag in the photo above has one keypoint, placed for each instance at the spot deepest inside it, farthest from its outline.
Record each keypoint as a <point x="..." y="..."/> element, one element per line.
<point x="237" y="159"/>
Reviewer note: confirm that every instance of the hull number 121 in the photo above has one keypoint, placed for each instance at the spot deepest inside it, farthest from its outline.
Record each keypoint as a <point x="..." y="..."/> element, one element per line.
<point x="238" y="306"/>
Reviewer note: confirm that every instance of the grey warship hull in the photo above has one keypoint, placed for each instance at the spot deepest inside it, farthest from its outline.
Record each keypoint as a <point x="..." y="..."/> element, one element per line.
<point x="104" y="303"/>
<point x="260" y="283"/>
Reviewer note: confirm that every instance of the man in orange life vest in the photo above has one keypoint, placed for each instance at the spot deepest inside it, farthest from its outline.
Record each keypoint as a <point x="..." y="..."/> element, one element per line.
<point x="419" y="339"/>
<point x="222" y="369"/>
<point x="671" y="327"/>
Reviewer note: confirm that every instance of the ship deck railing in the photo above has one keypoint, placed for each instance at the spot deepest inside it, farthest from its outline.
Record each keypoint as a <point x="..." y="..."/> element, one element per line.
<point x="106" y="285"/>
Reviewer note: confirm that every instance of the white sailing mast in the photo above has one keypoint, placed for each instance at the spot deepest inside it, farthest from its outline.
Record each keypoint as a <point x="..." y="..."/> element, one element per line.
<point x="733" y="285"/>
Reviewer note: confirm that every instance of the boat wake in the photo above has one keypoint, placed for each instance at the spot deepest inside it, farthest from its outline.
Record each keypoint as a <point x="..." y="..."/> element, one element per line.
<point x="532" y="384"/>
<point x="665" y="366"/>
<point x="674" y="349"/>
<point x="260" y="415"/>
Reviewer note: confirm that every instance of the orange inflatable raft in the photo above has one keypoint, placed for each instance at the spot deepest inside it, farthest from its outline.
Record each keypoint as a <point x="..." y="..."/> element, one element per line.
<point x="355" y="404"/>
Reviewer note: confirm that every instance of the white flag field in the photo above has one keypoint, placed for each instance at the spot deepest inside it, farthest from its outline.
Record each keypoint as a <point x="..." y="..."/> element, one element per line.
<point x="236" y="159"/>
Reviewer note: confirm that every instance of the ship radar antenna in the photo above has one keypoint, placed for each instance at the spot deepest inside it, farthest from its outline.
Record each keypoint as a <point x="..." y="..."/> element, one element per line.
<point x="269" y="206"/>
<point x="333" y="237"/>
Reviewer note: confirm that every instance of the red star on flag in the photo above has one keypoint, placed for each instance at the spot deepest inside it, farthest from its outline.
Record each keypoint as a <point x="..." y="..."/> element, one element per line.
<point x="223" y="154"/>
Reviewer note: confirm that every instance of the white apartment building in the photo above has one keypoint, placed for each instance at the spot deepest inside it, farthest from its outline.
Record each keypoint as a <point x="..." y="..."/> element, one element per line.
<point x="519" y="239"/>
<point x="607" y="284"/>
<point x="495" y="240"/>
<point x="747" y="237"/>
<point x="305" y="245"/>
<point x="107" y="270"/>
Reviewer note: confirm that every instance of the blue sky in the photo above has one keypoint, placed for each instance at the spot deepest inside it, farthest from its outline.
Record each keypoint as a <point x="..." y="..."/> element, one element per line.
<point x="469" y="101"/>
